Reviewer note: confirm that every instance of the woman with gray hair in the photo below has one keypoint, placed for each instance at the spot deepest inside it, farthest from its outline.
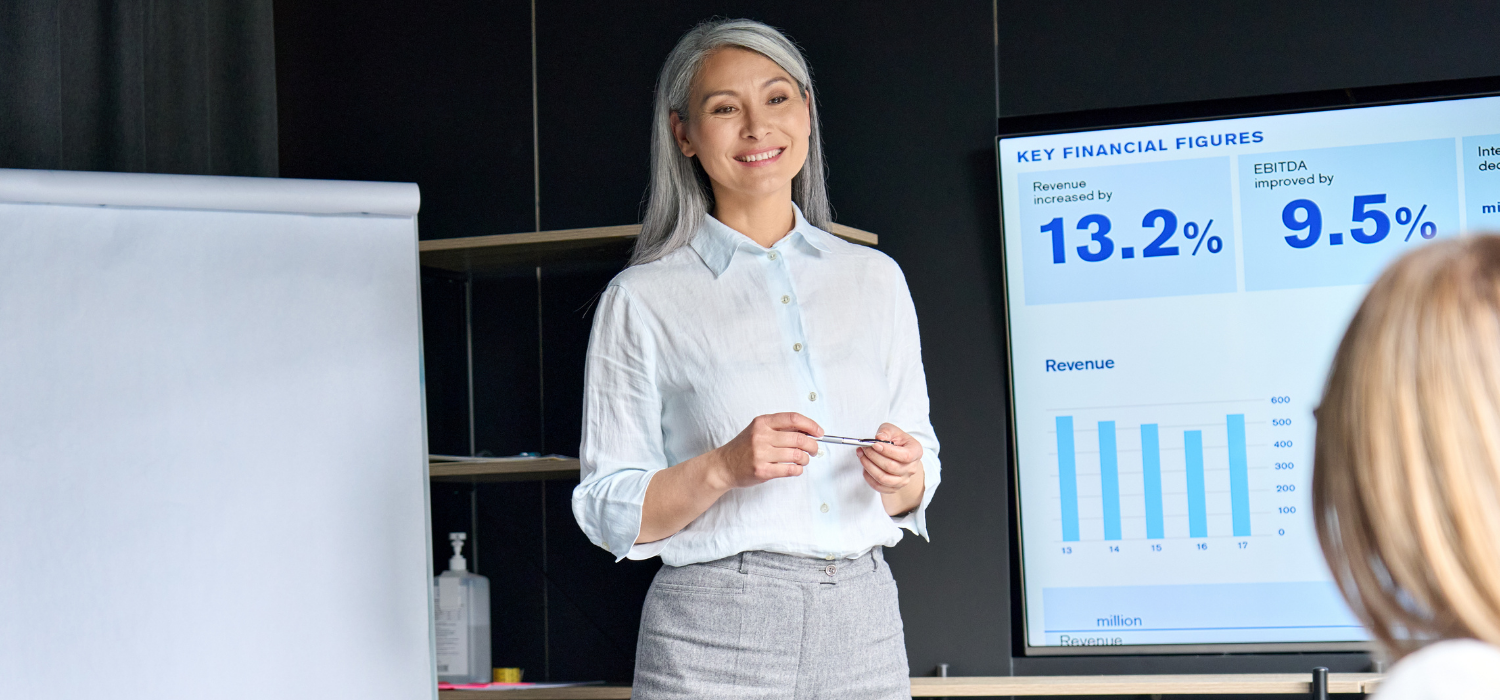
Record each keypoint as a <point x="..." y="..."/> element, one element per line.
<point x="739" y="334"/>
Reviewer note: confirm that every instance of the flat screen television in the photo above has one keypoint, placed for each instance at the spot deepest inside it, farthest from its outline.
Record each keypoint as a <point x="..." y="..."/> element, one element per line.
<point x="1177" y="278"/>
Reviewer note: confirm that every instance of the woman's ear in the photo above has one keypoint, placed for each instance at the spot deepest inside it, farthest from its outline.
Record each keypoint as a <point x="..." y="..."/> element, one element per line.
<point x="679" y="132"/>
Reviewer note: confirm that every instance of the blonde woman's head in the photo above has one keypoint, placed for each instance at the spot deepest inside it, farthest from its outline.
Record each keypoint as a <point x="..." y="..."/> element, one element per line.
<point x="1406" y="480"/>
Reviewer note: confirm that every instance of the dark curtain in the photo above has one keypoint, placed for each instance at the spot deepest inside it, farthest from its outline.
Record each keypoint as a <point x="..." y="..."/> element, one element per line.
<point x="160" y="86"/>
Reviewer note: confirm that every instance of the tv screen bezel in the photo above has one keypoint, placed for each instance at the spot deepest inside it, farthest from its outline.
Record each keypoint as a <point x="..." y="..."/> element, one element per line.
<point x="1086" y="121"/>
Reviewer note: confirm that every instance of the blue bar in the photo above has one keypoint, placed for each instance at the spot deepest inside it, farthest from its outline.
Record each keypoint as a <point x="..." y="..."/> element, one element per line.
<point x="1151" y="469"/>
<point x="1239" y="476"/>
<point x="1192" y="442"/>
<point x="1067" y="478"/>
<point x="1109" y="479"/>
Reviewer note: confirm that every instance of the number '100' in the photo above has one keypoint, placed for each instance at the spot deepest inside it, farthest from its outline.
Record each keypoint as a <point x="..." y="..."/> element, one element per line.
<point x="1098" y="225"/>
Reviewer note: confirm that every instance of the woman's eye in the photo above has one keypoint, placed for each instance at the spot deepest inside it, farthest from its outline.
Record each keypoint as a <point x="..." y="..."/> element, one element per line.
<point x="725" y="109"/>
<point x="778" y="99"/>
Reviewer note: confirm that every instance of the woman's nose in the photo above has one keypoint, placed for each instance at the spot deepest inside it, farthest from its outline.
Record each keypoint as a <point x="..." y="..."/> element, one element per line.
<point x="756" y="124"/>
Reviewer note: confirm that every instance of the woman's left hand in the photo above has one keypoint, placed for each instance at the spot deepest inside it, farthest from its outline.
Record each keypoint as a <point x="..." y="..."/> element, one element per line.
<point x="894" y="468"/>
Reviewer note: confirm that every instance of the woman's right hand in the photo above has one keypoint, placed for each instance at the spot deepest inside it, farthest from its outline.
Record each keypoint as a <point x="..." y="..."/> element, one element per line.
<point x="771" y="447"/>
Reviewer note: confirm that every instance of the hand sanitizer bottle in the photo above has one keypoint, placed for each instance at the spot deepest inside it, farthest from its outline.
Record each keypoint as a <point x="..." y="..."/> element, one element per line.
<point x="461" y="608"/>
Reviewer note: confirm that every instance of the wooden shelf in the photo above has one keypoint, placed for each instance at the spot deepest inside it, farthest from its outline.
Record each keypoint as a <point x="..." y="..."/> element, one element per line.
<point x="478" y="470"/>
<point x="982" y="686"/>
<point x="480" y="253"/>
<point x="582" y="692"/>
<point x="1190" y="684"/>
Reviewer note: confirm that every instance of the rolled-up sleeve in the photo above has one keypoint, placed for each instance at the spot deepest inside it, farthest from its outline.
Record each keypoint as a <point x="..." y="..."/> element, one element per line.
<point x="622" y="437"/>
<point x="909" y="405"/>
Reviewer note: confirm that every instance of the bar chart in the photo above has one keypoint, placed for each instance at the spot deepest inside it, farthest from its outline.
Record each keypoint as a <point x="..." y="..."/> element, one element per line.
<point x="1185" y="477"/>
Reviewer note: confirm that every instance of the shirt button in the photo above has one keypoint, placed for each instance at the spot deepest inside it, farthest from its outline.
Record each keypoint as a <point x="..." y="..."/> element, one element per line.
<point x="823" y="508"/>
<point x="812" y="396"/>
<point x="797" y="347"/>
<point x="830" y="569"/>
<point x="771" y="255"/>
<point x="786" y="299"/>
<point x="829" y="557"/>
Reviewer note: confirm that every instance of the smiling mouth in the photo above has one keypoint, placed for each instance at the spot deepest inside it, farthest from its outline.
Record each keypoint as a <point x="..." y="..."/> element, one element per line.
<point x="767" y="155"/>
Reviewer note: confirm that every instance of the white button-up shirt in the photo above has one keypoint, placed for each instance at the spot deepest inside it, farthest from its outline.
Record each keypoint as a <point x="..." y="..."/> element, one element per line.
<point x="687" y="350"/>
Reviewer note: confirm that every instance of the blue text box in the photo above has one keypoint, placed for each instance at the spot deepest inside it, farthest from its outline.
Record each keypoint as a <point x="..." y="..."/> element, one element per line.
<point x="1482" y="182"/>
<point x="1280" y="191"/>
<point x="1065" y="210"/>
<point x="1201" y="613"/>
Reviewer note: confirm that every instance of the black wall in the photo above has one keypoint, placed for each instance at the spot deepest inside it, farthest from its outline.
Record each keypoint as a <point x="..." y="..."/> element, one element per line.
<point x="154" y="86"/>
<point x="1074" y="55"/>
<point x="440" y="94"/>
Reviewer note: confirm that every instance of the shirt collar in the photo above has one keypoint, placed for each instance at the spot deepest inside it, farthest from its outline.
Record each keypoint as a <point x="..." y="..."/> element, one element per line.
<point x="716" y="243"/>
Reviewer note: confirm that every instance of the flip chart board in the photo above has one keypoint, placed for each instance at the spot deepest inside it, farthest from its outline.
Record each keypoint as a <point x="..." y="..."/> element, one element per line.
<point x="212" y="465"/>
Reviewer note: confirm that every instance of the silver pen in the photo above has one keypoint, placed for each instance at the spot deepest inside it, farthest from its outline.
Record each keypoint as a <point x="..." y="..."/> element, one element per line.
<point x="836" y="440"/>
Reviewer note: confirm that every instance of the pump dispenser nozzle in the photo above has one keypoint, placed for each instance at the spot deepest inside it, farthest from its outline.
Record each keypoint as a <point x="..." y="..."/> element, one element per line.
<point x="457" y="561"/>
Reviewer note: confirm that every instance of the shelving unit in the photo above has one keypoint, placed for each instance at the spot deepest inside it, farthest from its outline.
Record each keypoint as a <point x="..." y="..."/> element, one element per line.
<point x="480" y="253"/>
<point x="483" y="290"/>
<point x="990" y="686"/>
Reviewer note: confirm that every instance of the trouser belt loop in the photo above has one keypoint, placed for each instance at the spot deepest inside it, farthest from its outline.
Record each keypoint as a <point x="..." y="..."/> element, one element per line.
<point x="744" y="562"/>
<point x="875" y="558"/>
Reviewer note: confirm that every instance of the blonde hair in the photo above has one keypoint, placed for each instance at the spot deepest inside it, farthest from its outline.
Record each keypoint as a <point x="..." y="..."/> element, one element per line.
<point x="1406" y="478"/>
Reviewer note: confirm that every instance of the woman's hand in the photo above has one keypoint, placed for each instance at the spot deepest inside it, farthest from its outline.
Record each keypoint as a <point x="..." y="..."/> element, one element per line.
<point x="771" y="447"/>
<point x="894" y="468"/>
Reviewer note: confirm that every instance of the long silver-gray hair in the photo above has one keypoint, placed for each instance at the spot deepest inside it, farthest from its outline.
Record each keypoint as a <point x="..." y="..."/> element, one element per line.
<point x="681" y="194"/>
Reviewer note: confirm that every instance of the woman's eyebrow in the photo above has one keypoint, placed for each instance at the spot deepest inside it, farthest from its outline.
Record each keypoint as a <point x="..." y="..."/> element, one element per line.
<point x="732" y="93"/>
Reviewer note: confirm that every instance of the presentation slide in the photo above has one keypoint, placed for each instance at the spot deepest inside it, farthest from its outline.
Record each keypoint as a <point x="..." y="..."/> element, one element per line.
<point x="1175" y="295"/>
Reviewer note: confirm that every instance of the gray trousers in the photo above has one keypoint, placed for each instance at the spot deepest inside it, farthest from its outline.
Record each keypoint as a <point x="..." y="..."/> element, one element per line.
<point x="761" y="625"/>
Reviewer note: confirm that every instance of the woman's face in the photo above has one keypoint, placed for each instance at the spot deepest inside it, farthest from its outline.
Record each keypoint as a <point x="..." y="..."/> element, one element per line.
<point x="747" y="123"/>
